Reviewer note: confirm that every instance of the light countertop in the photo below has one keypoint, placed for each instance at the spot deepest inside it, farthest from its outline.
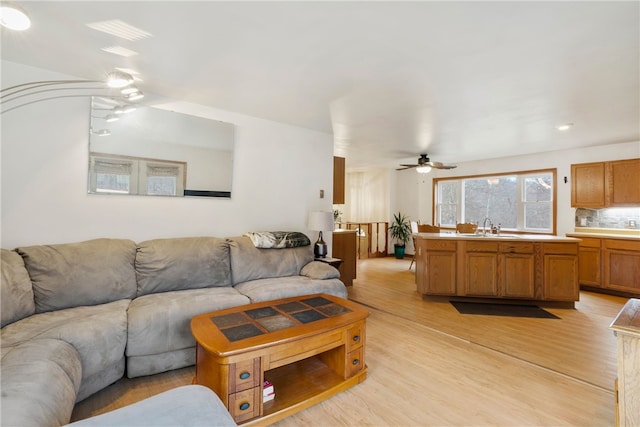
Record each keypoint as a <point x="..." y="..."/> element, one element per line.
<point x="606" y="233"/>
<point x="450" y="235"/>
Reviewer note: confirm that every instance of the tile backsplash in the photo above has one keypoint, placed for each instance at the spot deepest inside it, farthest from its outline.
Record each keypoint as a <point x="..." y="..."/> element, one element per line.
<point x="623" y="218"/>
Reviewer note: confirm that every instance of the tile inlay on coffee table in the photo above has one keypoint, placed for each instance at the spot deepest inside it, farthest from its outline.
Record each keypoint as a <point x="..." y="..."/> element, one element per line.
<point x="257" y="321"/>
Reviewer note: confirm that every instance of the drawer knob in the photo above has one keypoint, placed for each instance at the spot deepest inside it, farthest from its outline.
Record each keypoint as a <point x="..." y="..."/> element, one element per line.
<point x="355" y="362"/>
<point x="245" y="375"/>
<point x="244" y="406"/>
<point x="356" y="338"/>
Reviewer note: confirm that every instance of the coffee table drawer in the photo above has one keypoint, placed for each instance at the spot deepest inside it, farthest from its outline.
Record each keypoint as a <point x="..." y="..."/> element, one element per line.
<point x="355" y="361"/>
<point x="245" y="405"/>
<point x="355" y="336"/>
<point x="244" y="374"/>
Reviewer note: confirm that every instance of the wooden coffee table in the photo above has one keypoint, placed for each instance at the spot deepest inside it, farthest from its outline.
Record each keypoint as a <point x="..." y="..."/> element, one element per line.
<point x="309" y="347"/>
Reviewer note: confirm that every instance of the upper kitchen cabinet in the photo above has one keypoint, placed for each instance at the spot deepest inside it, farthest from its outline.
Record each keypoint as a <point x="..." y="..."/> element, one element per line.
<point x="338" y="180"/>
<point x="624" y="183"/>
<point x="588" y="185"/>
<point x="605" y="184"/>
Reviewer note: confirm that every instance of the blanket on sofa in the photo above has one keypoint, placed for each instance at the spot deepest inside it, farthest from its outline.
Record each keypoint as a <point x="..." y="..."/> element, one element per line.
<point x="278" y="239"/>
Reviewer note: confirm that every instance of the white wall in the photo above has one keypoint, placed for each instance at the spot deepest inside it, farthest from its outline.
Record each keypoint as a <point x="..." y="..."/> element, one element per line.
<point x="278" y="173"/>
<point x="413" y="186"/>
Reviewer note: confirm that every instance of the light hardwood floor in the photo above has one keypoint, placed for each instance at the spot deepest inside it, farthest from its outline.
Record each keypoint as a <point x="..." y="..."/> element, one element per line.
<point x="431" y="366"/>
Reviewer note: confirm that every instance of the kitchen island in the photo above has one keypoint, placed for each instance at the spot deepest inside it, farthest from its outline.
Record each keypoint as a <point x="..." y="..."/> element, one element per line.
<point x="522" y="267"/>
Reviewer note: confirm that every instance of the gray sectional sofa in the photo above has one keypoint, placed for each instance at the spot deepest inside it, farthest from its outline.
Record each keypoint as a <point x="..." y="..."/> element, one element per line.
<point x="76" y="317"/>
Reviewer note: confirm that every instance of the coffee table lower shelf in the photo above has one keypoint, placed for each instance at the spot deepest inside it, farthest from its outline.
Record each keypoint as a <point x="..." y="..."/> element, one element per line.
<point x="300" y="385"/>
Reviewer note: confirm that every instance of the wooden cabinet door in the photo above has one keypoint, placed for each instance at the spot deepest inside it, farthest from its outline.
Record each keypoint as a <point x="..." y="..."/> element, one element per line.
<point x="561" y="277"/>
<point x="481" y="274"/>
<point x="441" y="273"/>
<point x="338" y="180"/>
<point x="589" y="262"/>
<point x="589" y="267"/>
<point x="344" y="247"/>
<point x="435" y="267"/>
<point x="623" y="183"/>
<point x="622" y="265"/>
<point x="588" y="183"/>
<point x="517" y="278"/>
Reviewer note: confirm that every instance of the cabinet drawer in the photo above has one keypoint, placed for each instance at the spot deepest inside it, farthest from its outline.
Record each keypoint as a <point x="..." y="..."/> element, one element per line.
<point x="355" y="361"/>
<point x="623" y="245"/>
<point x="440" y="245"/>
<point x="244" y="375"/>
<point x="355" y="336"/>
<point x="246" y="404"/>
<point x="588" y="242"/>
<point x="516" y="248"/>
<point x="482" y="247"/>
<point x="559" y="248"/>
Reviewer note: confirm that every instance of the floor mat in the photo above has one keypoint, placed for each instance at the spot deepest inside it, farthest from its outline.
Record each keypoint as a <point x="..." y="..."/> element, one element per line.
<point x="508" y="310"/>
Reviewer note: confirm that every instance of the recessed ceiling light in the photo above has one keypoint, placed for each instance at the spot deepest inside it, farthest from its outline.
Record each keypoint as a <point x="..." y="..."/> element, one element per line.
<point x="565" y="126"/>
<point x="120" y="29"/>
<point x="14" y="18"/>
<point x="119" y="50"/>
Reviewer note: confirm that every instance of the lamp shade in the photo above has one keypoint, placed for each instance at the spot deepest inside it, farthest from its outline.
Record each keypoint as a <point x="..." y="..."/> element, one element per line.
<point x="320" y="221"/>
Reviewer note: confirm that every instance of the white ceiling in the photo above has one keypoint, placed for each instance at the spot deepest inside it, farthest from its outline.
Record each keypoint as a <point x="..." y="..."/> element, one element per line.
<point x="390" y="80"/>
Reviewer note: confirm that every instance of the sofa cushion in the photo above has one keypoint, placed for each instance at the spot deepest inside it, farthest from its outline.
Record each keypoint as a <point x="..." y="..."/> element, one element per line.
<point x="86" y="273"/>
<point x="164" y="265"/>
<point x="98" y="333"/>
<point x="285" y="287"/>
<point x="320" y="270"/>
<point x="189" y="405"/>
<point x="40" y="379"/>
<point x="251" y="263"/>
<point x="159" y="323"/>
<point x="16" y="295"/>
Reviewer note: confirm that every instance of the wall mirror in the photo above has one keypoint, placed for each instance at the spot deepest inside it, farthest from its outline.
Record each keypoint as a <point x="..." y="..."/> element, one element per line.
<point x="141" y="150"/>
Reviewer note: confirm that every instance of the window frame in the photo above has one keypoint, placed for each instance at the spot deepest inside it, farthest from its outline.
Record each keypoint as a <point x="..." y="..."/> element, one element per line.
<point x="521" y="175"/>
<point x="138" y="175"/>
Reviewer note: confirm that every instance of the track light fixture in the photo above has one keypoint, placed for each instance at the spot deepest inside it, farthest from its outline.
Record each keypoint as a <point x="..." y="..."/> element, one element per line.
<point x="28" y="93"/>
<point x="118" y="79"/>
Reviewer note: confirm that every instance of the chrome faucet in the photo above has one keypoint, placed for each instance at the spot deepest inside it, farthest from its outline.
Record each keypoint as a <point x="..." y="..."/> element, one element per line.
<point x="484" y="225"/>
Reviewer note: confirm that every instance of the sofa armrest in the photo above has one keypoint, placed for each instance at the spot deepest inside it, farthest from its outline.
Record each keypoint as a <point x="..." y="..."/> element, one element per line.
<point x="320" y="270"/>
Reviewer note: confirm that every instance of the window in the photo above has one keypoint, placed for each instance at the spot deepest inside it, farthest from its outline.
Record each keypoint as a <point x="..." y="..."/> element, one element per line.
<point x="133" y="175"/>
<point x="520" y="201"/>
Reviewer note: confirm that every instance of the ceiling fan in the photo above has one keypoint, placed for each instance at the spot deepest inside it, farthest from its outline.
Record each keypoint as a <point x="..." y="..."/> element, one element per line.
<point x="425" y="165"/>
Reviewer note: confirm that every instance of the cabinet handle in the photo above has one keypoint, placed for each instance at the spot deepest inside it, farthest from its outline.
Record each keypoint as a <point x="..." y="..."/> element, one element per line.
<point x="244" y="406"/>
<point x="356" y="338"/>
<point x="245" y="375"/>
<point x="355" y="362"/>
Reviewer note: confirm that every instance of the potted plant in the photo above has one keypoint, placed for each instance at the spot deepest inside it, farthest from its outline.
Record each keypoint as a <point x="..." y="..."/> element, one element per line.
<point x="401" y="231"/>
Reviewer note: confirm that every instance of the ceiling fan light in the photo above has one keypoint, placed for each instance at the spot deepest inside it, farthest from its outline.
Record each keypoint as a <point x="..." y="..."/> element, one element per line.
<point x="14" y="18"/>
<point x="102" y="132"/>
<point x="118" y="79"/>
<point x="564" y="127"/>
<point x="423" y="169"/>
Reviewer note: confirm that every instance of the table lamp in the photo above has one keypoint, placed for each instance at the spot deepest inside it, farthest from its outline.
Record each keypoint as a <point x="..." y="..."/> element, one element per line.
<point x="320" y="221"/>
